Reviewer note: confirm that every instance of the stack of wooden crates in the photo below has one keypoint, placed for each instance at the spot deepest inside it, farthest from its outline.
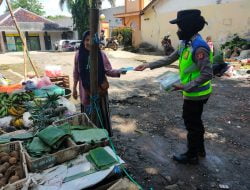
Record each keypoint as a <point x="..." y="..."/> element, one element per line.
<point x="62" y="81"/>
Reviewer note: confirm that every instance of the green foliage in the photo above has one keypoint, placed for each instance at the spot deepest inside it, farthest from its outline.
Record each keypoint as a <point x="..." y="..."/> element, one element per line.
<point x="235" y="42"/>
<point x="126" y="34"/>
<point x="80" y="13"/>
<point x="31" y="5"/>
<point x="55" y="17"/>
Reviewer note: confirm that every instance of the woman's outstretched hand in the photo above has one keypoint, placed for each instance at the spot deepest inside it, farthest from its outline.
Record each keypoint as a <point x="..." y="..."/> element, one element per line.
<point x="141" y="67"/>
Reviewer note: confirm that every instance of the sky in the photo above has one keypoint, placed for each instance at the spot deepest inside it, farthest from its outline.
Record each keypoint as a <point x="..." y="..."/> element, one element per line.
<point x="52" y="7"/>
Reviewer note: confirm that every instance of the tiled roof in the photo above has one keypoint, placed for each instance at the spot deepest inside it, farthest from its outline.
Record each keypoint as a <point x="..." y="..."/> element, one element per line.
<point x="23" y="15"/>
<point x="28" y="20"/>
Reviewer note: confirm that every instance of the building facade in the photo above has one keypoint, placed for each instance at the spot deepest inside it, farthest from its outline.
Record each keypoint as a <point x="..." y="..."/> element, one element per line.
<point x="224" y="17"/>
<point x="40" y="33"/>
<point x="67" y="22"/>
<point x="132" y="17"/>
<point x="110" y="22"/>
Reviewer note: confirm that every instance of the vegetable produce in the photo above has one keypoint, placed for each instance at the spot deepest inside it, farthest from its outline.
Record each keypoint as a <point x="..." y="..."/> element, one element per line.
<point x="12" y="160"/>
<point x="10" y="168"/>
<point x="44" y="113"/>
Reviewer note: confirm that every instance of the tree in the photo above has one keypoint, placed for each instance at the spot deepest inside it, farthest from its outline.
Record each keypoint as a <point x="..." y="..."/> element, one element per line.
<point x="55" y="17"/>
<point x="80" y="13"/>
<point x="31" y="5"/>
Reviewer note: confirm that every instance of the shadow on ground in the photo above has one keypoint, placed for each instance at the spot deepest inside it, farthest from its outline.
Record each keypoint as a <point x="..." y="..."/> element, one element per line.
<point x="149" y="130"/>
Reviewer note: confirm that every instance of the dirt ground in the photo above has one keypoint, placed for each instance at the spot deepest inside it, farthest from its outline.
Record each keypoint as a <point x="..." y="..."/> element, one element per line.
<point x="148" y="126"/>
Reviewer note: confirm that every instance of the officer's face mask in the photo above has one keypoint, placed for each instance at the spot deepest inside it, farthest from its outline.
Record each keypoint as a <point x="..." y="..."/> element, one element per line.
<point x="182" y="35"/>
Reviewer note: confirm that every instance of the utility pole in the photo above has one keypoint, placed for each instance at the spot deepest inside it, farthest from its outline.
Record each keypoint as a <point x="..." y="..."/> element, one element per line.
<point x="94" y="25"/>
<point x="23" y="39"/>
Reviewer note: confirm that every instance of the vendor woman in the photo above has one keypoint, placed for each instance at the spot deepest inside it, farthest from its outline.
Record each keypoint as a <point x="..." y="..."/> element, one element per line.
<point x="81" y="75"/>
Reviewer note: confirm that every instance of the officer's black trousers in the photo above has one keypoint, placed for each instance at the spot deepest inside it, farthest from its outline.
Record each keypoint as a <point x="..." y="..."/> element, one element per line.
<point x="192" y="113"/>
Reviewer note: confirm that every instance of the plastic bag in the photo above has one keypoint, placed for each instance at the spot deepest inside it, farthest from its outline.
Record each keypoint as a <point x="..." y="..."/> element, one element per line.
<point x="4" y="82"/>
<point x="53" y="71"/>
<point x="5" y="122"/>
<point x="68" y="104"/>
<point x="52" y="89"/>
<point x="44" y="81"/>
<point x="167" y="80"/>
<point x="26" y="120"/>
<point x="30" y="85"/>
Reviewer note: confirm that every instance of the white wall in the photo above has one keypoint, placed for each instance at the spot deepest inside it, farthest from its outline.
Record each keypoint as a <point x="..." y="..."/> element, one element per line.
<point x="42" y="42"/>
<point x="2" y="43"/>
<point x="55" y="36"/>
<point x="164" y="6"/>
<point x="223" y="20"/>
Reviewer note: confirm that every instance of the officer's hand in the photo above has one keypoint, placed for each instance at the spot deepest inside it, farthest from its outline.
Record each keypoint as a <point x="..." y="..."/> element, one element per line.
<point x="141" y="67"/>
<point x="177" y="87"/>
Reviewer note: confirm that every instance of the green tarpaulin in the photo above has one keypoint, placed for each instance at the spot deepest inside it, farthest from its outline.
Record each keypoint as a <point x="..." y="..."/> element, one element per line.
<point x="89" y="135"/>
<point x="101" y="158"/>
<point x="53" y="136"/>
<point x="37" y="148"/>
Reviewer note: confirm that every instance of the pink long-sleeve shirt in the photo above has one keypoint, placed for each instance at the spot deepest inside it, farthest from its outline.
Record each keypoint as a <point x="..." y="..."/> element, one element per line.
<point x="84" y="98"/>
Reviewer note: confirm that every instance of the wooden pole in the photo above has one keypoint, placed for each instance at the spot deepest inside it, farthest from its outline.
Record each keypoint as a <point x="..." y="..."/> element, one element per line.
<point x="23" y="39"/>
<point x="94" y="24"/>
<point x="25" y="63"/>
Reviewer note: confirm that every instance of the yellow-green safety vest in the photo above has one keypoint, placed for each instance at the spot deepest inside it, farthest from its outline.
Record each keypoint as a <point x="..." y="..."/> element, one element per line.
<point x="189" y="71"/>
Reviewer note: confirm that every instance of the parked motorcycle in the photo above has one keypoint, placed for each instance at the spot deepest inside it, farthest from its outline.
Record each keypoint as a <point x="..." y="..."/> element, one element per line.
<point x="167" y="45"/>
<point x="111" y="43"/>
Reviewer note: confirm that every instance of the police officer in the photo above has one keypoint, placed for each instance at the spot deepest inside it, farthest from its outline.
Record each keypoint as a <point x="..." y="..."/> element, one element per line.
<point x="195" y="68"/>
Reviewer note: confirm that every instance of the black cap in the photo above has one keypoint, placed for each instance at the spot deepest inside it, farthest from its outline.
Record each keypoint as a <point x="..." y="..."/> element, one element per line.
<point x="182" y="15"/>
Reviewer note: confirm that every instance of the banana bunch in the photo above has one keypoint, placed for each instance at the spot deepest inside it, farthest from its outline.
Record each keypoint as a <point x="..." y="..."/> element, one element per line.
<point x="17" y="123"/>
<point x="4" y="96"/>
<point x="21" y="97"/>
<point x="13" y="104"/>
<point x="19" y="111"/>
<point x="4" y="102"/>
<point x="4" y="99"/>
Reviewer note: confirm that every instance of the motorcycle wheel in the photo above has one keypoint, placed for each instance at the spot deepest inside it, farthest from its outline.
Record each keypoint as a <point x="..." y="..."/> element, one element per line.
<point x="102" y="47"/>
<point x="115" y="46"/>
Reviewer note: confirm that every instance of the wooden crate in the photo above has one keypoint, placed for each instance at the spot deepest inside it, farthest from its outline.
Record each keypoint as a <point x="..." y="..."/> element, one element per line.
<point x="62" y="81"/>
<point x="50" y="160"/>
<point x="16" y="146"/>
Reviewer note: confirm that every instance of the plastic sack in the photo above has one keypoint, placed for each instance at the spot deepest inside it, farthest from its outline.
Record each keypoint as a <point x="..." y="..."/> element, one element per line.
<point x="5" y="121"/>
<point x="52" y="89"/>
<point x="68" y="104"/>
<point x="10" y="88"/>
<point x="167" y="80"/>
<point x="44" y="81"/>
<point x="4" y="81"/>
<point x="30" y="85"/>
<point x="26" y="120"/>
<point x="53" y="71"/>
